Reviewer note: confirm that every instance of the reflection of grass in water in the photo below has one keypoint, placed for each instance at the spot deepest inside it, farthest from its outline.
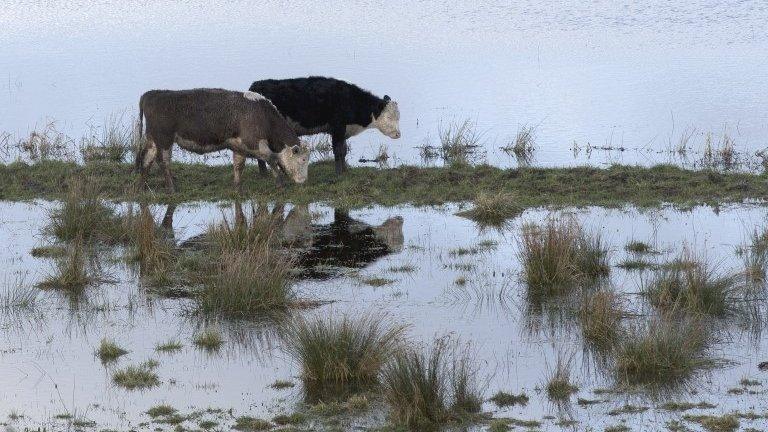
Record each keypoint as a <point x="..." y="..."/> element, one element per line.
<point x="339" y="354"/>
<point x="376" y="281"/>
<point x="18" y="296"/>
<point x="69" y="272"/>
<point x="55" y="251"/>
<point x="109" y="351"/>
<point x="600" y="315"/>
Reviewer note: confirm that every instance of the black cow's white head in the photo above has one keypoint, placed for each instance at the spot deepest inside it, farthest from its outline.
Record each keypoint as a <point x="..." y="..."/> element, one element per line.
<point x="388" y="120"/>
<point x="294" y="161"/>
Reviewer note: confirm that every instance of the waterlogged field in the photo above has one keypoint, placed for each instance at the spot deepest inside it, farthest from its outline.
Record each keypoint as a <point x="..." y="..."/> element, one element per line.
<point x="653" y="322"/>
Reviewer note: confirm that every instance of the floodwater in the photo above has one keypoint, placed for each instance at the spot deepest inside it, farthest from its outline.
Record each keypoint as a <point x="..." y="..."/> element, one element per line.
<point x="48" y="366"/>
<point x="638" y="76"/>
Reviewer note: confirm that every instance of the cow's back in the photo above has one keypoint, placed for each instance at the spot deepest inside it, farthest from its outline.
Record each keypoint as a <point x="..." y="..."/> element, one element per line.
<point x="312" y="101"/>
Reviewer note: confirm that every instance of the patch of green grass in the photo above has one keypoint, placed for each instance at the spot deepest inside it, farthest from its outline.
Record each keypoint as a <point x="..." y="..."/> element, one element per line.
<point x="364" y="186"/>
<point x="208" y="424"/>
<point x="161" y="410"/>
<point x="493" y="209"/>
<point x="141" y="376"/>
<point x="559" y="255"/>
<point x="336" y="354"/>
<point x="109" y="351"/>
<point x="559" y="386"/>
<point x="209" y="339"/>
<point x="377" y="281"/>
<point x="639" y="247"/>
<point x="294" y="418"/>
<point x="600" y="316"/>
<point x="696" y="288"/>
<point x="55" y="251"/>
<point x="725" y="423"/>
<point x="169" y="346"/>
<point x="504" y="399"/>
<point x="250" y="424"/>
<point x="662" y="352"/>
<point x="685" y="406"/>
<point x="358" y="402"/>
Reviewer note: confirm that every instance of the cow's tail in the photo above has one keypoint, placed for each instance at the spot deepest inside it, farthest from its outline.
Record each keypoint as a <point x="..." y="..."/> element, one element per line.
<point x="141" y="151"/>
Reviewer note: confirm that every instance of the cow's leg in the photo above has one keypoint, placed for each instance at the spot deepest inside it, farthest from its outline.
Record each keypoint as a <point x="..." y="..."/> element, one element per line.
<point x="146" y="159"/>
<point x="263" y="168"/>
<point x="164" y="160"/>
<point x="278" y="173"/>
<point x="339" y="140"/>
<point x="238" y="163"/>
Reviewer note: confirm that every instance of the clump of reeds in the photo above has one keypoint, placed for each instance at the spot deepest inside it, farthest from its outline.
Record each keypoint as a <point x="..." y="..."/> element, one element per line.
<point x="523" y="145"/>
<point x="111" y="142"/>
<point x="600" y="316"/>
<point x="426" y="389"/>
<point x="559" y="254"/>
<point x="249" y="281"/>
<point x="493" y="209"/>
<point x="84" y="215"/>
<point x="639" y="247"/>
<point x="341" y="354"/>
<point x="70" y="273"/>
<point x="141" y="376"/>
<point x="47" y="144"/>
<point x="18" y="296"/>
<point x="696" y="288"/>
<point x="559" y="386"/>
<point x="109" y="351"/>
<point x="244" y="233"/>
<point x="154" y="254"/>
<point x="458" y="141"/>
<point x="661" y="351"/>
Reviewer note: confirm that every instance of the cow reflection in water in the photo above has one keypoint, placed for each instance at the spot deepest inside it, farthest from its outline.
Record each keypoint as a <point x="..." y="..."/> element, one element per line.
<point x="321" y="250"/>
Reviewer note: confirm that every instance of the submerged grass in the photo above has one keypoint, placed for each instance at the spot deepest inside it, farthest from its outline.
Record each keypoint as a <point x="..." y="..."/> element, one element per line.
<point x="337" y="355"/>
<point x="363" y="186"/>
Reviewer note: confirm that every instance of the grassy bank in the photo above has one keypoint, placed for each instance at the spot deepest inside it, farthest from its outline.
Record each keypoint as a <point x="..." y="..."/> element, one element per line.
<point x="363" y="186"/>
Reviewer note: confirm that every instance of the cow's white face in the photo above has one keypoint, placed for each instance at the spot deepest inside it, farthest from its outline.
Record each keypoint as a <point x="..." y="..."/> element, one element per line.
<point x="388" y="122"/>
<point x="294" y="161"/>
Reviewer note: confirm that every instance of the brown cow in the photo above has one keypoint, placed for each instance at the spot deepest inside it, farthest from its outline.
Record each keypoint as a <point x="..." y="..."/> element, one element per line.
<point x="209" y="120"/>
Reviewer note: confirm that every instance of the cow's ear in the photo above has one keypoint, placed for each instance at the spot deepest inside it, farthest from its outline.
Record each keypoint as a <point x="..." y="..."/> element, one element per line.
<point x="387" y="98"/>
<point x="296" y="149"/>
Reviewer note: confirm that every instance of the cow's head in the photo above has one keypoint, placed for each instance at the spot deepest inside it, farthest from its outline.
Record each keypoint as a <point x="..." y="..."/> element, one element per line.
<point x="388" y="120"/>
<point x="294" y="161"/>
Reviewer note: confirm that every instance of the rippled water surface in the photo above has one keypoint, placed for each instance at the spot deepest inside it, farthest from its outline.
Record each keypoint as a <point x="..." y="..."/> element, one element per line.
<point x="623" y="75"/>
<point x="48" y="366"/>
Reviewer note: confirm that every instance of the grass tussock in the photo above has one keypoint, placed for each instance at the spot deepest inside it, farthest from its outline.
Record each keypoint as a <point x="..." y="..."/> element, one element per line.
<point x="696" y="288"/>
<point x="54" y="251"/>
<point x="209" y="339"/>
<point x="161" y="410"/>
<point x="70" y="273"/>
<point x="560" y="254"/>
<point x="141" y="376"/>
<point x="504" y="399"/>
<point x="254" y="280"/>
<point x="493" y="209"/>
<point x="559" y="386"/>
<point x="245" y="233"/>
<point x="523" y="145"/>
<point x="112" y="142"/>
<point x="600" y="315"/>
<point x="154" y="254"/>
<point x="662" y="352"/>
<point x="84" y="215"/>
<point x="109" y="351"/>
<point x="337" y="354"/>
<point x="639" y="247"/>
<point x="724" y="423"/>
<point x="458" y="141"/>
<point x="169" y="346"/>
<point x="427" y="389"/>
<point x="18" y="296"/>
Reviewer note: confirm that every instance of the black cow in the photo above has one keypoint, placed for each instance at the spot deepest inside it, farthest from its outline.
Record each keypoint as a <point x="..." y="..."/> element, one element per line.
<point x="327" y="105"/>
<point x="209" y="120"/>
